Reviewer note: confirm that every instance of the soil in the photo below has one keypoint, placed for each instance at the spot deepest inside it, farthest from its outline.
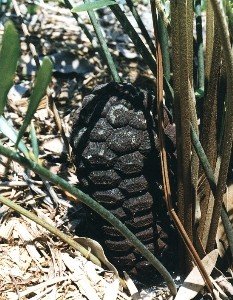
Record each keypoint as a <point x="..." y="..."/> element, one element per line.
<point x="34" y="263"/>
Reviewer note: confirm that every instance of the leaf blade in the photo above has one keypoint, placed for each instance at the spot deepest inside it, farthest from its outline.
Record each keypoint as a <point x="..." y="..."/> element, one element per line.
<point x="92" y="5"/>
<point x="194" y="281"/>
<point x="9" y="56"/>
<point x="43" y="78"/>
<point x="12" y="134"/>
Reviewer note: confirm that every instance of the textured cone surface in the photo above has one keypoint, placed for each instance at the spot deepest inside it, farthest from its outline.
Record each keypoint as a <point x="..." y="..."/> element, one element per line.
<point x="117" y="158"/>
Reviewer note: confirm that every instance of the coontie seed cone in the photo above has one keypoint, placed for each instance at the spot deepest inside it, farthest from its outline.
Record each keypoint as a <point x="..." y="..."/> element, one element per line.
<point x="116" y="150"/>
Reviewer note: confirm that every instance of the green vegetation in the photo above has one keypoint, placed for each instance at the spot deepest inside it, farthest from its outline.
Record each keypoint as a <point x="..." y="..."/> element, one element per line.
<point x="203" y="146"/>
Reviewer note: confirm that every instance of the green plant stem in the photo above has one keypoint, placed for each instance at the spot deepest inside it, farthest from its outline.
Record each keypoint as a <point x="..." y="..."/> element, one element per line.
<point x="34" y="141"/>
<point x="183" y="103"/>
<point x="169" y="96"/>
<point x="200" y="51"/>
<point x="204" y="160"/>
<point x="163" y="155"/>
<point x="141" y="26"/>
<point x="209" y="38"/>
<point x="209" y="133"/>
<point x="186" y="54"/>
<point x="176" y="86"/>
<point x="189" y="32"/>
<point x="103" y="50"/>
<point x="226" y="143"/>
<point x="50" y="228"/>
<point x="194" y="162"/>
<point x="96" y="207"/>
<point x="86" y="31"/>
<point x="161" y="13"/>
<point x="103" y="44"/>
<point x="140" y="46"/>
<point x="80" y="22"/>
<point x="194" y="202"/>
<point x="142" y="49"/>
<point x="148" y="58"/>
<point x="165" y="48"/>
<point x="182" y="79"/>
<point x="213" y="185"/>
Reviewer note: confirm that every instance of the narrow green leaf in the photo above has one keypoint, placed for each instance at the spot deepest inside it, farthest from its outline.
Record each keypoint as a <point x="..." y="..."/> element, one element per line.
<point x="93" y="5"/>
<point x="9" y="56"/>
<point x="12" y="134"/>
<point x="103" y="44"/>
<point x="43" y="78"/>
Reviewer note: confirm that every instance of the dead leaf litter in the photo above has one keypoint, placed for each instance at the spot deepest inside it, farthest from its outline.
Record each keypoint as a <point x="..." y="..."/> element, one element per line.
<point x="35" y="264"/>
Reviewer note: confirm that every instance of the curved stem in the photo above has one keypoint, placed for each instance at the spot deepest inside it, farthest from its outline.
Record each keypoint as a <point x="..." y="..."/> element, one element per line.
<point x="96" y="207"/>
<point x="50" y="228"/>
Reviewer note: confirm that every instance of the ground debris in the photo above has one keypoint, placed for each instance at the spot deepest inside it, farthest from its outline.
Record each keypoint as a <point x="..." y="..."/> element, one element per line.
<point x="34" y="264"/>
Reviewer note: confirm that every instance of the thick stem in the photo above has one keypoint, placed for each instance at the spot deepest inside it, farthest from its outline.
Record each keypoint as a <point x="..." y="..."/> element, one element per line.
<point x="200" y="51"/>
<point x="209" y="134"/>
<point x="209" y="38"/>
<point x="213" y="185"/>
<point x="183" y="65"/>
<point x="226" y="144"/>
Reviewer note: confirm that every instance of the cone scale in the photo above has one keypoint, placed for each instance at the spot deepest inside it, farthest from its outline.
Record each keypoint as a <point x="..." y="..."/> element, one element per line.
<point x="116" y="152"/>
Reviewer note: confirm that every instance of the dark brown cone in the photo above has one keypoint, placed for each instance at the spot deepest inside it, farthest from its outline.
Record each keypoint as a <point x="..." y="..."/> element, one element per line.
<point x="116" y="153"/>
